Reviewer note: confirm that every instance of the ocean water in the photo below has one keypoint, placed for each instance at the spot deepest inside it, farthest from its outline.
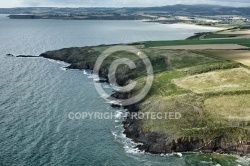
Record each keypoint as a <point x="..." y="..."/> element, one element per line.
<point x="37" y="95"/>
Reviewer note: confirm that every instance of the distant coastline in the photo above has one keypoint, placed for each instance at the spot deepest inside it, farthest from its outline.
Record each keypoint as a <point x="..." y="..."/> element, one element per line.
<point x="175" y="24"/>
<point x="86" y="17"/>
<point x="194" y="26"/>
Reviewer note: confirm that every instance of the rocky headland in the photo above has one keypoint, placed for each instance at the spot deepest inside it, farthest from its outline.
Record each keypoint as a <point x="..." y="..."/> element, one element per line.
<point x="198" y="130"/>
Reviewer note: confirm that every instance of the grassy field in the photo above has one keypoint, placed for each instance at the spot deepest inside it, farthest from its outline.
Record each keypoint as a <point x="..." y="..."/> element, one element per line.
<point x="234" y="109"/>
<point x="191" y="112"/>
<point x="184" y="90"/>
<point x="209" y="88"/>
<point x="210" y="91"/>
<point x="218" y="81"/>
<point x="241" y="56"/>
<point x="217" y="35"/>
<point x="243" y="42"/>
<point x="170" y="66"/>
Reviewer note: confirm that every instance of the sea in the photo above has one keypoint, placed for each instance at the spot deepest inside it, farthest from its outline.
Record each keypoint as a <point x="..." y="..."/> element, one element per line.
<point x="37" y="95"/>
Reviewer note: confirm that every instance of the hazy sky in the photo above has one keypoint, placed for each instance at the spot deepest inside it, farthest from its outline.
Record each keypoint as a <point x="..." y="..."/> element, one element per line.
<point x="117" y="3"/>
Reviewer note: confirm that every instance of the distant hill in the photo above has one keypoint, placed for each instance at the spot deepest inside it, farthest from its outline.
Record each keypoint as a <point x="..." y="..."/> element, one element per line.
<point x="201" y="10"/>
<point x="175" y="9"/>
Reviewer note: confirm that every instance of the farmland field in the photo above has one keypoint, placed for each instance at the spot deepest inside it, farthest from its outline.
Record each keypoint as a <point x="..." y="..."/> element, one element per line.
<point x="217" y="35"/>
<point x="204" y="47"/>
<point x="243" y="42"/>
<point x="218" y="81"/>
<point x="232" y="107"/>
<point x="241" y="56"/>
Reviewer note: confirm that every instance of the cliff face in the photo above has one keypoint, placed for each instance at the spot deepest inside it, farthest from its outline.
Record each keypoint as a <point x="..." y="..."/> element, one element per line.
<point x="163" y="143"/>
<point x="181" y="136"/>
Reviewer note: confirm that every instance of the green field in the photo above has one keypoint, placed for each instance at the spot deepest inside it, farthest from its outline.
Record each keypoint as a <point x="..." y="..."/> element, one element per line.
<point x="243" y="42"/>
<point x="216" y="35"/>
<point x="236" y="79"/>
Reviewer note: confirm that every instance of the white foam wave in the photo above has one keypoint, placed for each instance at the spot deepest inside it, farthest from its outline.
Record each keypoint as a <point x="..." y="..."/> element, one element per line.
<point x="87" y="72"/>
<point x="59" y="62"/>
<point x="63" y="68"/>
<point x="128" y="144"/>
<point x="118" y="114"/>
<point x="107" y="87"/>
<point x="116" y="102"/>
<point x="95" y="77"/>
<point x="179" y="154"/>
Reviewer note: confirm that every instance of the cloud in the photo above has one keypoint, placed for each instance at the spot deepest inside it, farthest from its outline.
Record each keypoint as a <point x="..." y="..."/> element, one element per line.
<point x="11" y="3"/>
<point x="116" y="3"/>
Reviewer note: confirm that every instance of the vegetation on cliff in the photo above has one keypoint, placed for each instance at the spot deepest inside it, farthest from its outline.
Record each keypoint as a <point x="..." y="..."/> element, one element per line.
<point x="209" y="92"/>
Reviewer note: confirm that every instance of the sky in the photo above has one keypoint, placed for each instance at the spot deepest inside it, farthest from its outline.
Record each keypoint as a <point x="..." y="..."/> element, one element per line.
<point x="116" y="3"/>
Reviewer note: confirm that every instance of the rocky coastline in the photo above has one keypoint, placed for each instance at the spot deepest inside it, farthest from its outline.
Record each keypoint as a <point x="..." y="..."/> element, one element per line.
<point x="152" y="142"/>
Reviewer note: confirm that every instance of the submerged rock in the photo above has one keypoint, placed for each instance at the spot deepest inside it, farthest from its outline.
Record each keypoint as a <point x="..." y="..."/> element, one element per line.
<point x="10" y="55"/>
<point x="26" y="56"/>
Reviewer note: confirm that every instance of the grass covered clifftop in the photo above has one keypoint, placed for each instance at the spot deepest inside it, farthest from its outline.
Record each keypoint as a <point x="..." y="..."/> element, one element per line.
<point x="211" y="93"/>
